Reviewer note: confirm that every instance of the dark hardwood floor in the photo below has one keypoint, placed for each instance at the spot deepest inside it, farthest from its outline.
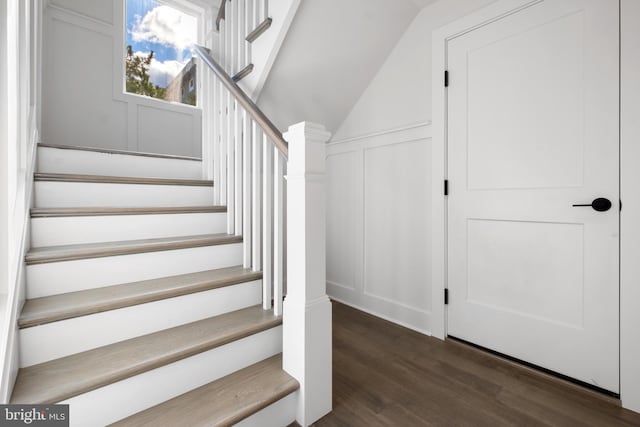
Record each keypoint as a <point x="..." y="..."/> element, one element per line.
<point x="387" y="375"/>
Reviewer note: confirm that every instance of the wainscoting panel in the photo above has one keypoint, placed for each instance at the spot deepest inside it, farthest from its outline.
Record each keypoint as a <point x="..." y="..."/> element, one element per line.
<point x="378" y="216"/>
<point x="83" y="100"/>
<point x="342" y="218"/>
<point x="99" y="10"/>
<point x="77" y="106"/>
<point x="163" y="130"/>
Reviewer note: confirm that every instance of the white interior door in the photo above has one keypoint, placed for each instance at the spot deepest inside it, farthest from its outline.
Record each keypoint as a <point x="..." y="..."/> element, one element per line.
<point x="532" y="130"/>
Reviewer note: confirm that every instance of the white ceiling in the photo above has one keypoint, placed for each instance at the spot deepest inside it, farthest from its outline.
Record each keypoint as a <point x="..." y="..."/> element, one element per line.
<point x="423" y="3"/>
<point x="333" y="50"/>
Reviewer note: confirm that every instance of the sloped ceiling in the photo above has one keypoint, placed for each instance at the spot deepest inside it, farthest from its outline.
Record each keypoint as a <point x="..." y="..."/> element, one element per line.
<point x="332" y="51"/>
<point x="423" y="3"/>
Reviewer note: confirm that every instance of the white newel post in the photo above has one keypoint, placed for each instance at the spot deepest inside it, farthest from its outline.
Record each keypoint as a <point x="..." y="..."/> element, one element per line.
<point x="307" y="310"/>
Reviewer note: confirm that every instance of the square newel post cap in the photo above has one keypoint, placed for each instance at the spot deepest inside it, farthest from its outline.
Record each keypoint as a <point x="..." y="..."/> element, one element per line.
<point x="307" y="131"/>
<point x="307" y="149"/>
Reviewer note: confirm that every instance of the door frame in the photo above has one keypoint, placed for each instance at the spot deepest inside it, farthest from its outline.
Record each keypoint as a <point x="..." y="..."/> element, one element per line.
<point x="629" y="133"/>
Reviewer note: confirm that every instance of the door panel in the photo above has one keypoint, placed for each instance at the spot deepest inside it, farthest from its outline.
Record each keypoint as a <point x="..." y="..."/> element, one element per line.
<point x="533" y="129"/>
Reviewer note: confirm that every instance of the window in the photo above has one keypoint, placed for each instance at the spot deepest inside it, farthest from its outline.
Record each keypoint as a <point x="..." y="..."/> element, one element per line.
<point x="158" y="59"/>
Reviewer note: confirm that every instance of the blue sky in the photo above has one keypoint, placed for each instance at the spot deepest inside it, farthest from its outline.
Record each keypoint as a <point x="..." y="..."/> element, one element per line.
<point x="166" y="31"/>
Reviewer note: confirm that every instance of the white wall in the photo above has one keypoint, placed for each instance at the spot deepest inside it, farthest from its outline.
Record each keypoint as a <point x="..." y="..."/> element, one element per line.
<point x="379" y="212"/>
<point x="630" y="196"/>
<point x="400" y="96"/>
<point x="332" y="51"/>
<point x="400" y="93"/>
<point x="378" y="252"/>
<point x="83" y="103"/>
<point x="19" y="102"/>
<point x="4" y="159"/>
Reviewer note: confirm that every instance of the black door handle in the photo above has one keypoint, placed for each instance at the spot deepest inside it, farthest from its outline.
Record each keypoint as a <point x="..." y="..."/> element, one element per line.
<point x="600" y="204"/>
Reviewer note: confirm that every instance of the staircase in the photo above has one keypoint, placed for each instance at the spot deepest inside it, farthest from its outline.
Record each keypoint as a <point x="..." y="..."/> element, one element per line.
<point x="158" y="290"/>
<point x="138" y="309"/>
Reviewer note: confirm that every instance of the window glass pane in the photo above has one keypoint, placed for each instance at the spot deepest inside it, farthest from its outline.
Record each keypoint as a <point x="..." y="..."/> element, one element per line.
<point x="157" y="52"/>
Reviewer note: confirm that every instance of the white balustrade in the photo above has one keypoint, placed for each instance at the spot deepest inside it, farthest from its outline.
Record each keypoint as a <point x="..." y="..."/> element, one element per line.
<point x="249" y="172"/>
<point x="247" y="169"/>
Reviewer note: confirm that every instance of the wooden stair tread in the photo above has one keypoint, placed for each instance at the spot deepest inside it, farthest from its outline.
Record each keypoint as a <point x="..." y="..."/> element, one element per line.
<point x="223" y="402"/>
<point x="105" y="179"/>
<point x="39" y="311"/>
<point x="120" y="152"/>
<point x="63" y="378"/>
<point x="60" y="253"/>
<point x="107" y="211"/>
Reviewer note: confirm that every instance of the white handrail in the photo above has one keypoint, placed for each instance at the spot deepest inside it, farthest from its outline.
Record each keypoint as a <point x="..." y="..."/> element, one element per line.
<point x="267" y="126"/>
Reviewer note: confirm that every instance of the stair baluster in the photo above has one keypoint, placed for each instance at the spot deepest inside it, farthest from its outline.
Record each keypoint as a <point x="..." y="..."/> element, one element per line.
<point x="246" y="190"/>
<point x="267" y="217"/>
<point x="256" y="198"/>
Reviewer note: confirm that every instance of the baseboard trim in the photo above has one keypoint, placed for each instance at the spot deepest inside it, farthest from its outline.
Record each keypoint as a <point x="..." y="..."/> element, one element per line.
<point x="381" y="316"/>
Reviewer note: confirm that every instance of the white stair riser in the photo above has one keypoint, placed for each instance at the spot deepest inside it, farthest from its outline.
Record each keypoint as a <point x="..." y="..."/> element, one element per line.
<point x="95" y="229"/>
<point x="70" y="276"/>
<point x="40" y="344"/>
<point x="127" y="397"/>
<point x="278" y="414"/>
<point x="52" y="194"/>
<point x="55" y="160"/>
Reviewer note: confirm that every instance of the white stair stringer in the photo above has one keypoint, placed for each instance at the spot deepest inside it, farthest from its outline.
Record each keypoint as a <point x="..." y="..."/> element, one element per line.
<point x="87" y="162"/>
<point x="116" y="401"/>
<point x="52" y="340"/>
<point x="55" y="231"/>
<point x="52" y="194"/>
<point x="69" y="276"/>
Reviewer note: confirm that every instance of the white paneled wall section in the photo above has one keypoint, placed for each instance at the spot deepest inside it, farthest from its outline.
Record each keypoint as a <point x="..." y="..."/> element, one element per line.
<point x="89" y="107"/>
<point x="378" y="216"/>
<point x="20" y="91"/>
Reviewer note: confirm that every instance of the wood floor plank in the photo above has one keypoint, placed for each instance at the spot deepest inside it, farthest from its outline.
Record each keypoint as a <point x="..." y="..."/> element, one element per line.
<point x="107" y="211"/>
<point x="39" y="311"/>
<point x="98" y="250"/>
<point x="104" y="179"/>
<point x="387" y="375"/>
<point x="63" y="378"/>
<point x="224" y="402"/>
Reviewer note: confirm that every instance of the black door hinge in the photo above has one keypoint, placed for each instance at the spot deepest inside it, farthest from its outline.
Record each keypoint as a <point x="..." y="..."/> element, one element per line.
<point x="446" y="78"/>
<point x="446" y="296"/>
<point x="446" y="187"/>
<point x="620" y="205"/>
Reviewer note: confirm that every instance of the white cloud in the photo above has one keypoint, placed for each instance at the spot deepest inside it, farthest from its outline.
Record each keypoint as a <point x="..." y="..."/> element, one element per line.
<point x="162" y="72"/>
<point x="166" y="26"/>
